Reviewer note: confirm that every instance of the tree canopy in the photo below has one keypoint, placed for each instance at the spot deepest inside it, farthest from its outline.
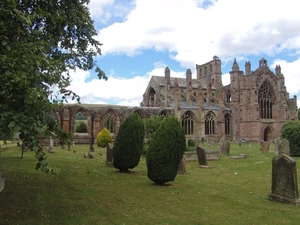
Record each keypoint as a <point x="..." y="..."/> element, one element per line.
<point x="40" y="42"/>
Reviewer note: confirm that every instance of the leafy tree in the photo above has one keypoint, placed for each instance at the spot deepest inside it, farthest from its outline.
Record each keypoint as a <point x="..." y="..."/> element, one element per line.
<point x="41" y="41"/>
<point x="128" y="145"/>
<point x="165" y="151"/>
<point x="299" y="114"/>
<point x="81" y="128"/>
<point x="291" y="131"/>
<point x="103" y="137"/>
<point x="151" y="126"/>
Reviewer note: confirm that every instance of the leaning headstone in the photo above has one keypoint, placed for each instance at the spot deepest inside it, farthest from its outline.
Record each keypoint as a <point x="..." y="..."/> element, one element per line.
<point x="265" y="145"/>
<point x="282" y="146"/>
<point x="201" y="156"/>
<point x="182" y="166"/>
<point x="284" y="180"/>
<point x="109" y="155"/>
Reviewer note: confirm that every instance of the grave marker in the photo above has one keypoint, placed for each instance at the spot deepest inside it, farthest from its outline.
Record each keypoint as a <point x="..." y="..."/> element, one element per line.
<point x="284" y="180"/>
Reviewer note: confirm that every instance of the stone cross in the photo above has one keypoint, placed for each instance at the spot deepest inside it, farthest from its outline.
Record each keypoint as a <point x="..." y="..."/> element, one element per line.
<point x="284" y="180"/>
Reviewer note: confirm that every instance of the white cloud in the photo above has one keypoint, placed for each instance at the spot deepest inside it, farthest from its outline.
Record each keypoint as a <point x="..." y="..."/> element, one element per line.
<point x="193" y="31"/>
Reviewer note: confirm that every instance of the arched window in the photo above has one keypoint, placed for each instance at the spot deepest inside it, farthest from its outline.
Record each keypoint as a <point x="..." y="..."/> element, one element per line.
<point x="151" y="97"/>
<point x="187" y="123"/>
<point x="265" y="102"/>
<point x="80" y="123"/>
<point x="109" y="123"/>
<point x="209" y="124"/>
<point x="227" y="124"/>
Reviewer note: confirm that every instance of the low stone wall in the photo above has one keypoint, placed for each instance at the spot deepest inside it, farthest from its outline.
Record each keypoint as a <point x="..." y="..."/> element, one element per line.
<point x="211" y="155"/>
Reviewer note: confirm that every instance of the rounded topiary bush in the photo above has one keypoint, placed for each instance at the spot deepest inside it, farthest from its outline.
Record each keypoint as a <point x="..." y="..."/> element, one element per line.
<point x="103" y="138"/>
<point x="191" y="143"/>
<point x="81" y="128"/>
<point x="128" y="145"/>
<point x="291" y="131"/>
<point x="165" y="151"/>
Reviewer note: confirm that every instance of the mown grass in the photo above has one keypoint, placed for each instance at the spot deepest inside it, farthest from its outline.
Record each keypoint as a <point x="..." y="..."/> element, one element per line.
<point x="88" y="192"/>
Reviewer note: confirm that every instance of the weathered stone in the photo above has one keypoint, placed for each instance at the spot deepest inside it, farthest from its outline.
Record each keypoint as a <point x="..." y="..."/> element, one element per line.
<point x="265" y="145"/>
<point x="201" y="156"/>
<point x="182" y="166"/>
<point x="88" y="155"/>
<point x="51" y="149"/>
<point x="109" y="155"/>
<point x="212" y="155"/>
<point x="282" y="146"/>
<point x="240" y="156"/>
<point x="284" y="180"/>
<point x="226" y="148"/>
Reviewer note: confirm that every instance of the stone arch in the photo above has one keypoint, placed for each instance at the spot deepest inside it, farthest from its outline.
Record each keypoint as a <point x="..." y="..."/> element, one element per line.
<point x="164" y="113"/>
<point x="87" y="119"/>
<point x="110" y="120"/>
<point x="210" y="123"/>
<point x="140" y="112"/>
<point x="151" y="97"/>
<point x="187" y="122"/>
<point x="268" y="135"/>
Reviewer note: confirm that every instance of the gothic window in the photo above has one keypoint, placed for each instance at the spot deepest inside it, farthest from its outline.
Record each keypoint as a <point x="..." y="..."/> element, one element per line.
<point x="151" y="98"/>
<point x="188" y="123"/>
<point x="80" y="123"/>
<point x="109" y="123"/>
<point x="265" y="102"/>
<point x="205" y="71"/>
<point x="227" y="124"/>
<point x="209" y="124"/>
<point x="228" y="97"/>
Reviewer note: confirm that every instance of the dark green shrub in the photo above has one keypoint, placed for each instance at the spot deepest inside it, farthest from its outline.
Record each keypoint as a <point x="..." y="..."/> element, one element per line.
<point x="81" y="128"/>
<point x="291" y="131"/>
<point x="151" y="126"/>
<point x="103" y="138"/>
<point x="191" y="143"/>
<point x="128" y="145"/>
<point x="165" y="151"/>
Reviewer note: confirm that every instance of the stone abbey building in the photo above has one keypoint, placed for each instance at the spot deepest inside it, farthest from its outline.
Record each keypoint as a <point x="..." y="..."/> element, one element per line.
<point x="253" y="107"/>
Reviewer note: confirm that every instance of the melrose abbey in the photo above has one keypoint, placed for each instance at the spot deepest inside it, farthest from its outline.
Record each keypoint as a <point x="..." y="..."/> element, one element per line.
<point x="253" y="107"/>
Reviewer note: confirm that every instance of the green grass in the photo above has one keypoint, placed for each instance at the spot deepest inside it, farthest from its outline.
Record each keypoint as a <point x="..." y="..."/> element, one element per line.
<point x="87" y="192"/>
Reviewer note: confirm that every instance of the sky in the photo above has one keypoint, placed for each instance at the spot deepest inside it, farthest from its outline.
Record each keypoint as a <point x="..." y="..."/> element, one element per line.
<point x="142" y="37"/>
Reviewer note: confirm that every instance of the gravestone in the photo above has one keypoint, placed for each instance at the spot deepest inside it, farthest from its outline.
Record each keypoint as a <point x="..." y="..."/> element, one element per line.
<point x="264" y="145"/>
<point x="109" y="155"/>
<point x="282" y="146"/>
<point x="284" y="180"/>
<point x="221" y="144"/>
<point x="51" y="149"/>
<point x="182" y="166"/>
<point x="201" y="156"/>
<point x="226" y="148"/>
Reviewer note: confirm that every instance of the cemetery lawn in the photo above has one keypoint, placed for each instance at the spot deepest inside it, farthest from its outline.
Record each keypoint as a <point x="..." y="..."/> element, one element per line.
<point x="233" y="191"/>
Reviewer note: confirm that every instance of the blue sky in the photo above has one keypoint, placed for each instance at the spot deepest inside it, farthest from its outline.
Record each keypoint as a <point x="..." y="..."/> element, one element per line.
<point x="141" y="37"/>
